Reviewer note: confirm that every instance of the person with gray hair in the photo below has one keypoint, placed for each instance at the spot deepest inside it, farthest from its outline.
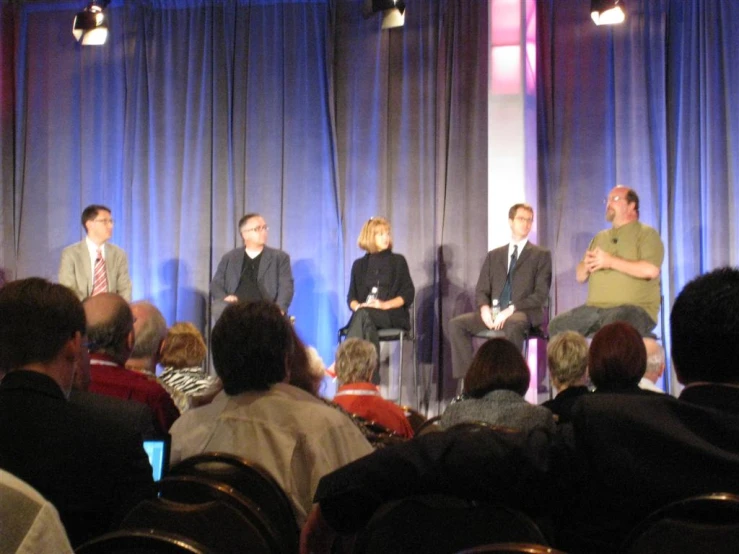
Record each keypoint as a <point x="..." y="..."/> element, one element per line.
<point x="655" y="366"/>
<point x="567" y="358"/>
<point x="356" y="362"/>
<point x="150" y="330"/>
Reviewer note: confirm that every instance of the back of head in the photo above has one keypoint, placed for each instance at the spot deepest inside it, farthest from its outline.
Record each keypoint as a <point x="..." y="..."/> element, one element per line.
<point x="150" y="329"/>
<point x="183" y="347"/>
<point x="250" y="344"/>
<point x="109" y="323"/>
<point x="37" y="319"/>
<point x="497" y="365"/>
<point x="705" y="326"/>
<point x="302" y="365"/>
<point x="617" y="357"/>
<point x="567" y="357"/>
<point x="356" y="360"/>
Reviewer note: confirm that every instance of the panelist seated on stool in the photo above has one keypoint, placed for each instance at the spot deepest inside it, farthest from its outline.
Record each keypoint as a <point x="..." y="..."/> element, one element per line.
<point x="518" y="275"/>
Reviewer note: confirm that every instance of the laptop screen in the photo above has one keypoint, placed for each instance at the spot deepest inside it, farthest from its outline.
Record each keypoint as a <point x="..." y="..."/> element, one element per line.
<point x="158" y="452"/>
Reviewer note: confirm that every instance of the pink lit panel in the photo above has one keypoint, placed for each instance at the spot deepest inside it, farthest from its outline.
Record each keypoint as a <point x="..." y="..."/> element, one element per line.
<point x="505" y="76"/>
<point x="505" y="22"/>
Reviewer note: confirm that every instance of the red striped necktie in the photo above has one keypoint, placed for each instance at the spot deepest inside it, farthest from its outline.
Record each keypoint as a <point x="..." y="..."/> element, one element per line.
<point x="100" y="279"/>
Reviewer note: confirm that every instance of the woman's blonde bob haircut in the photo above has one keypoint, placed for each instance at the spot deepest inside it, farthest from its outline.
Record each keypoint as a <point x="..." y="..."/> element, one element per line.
<point x="372" y="228"/>
<point x="183" y="347"/>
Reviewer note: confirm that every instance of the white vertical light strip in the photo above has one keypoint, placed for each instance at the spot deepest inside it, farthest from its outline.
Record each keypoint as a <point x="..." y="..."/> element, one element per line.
<point x="512" y="175"/>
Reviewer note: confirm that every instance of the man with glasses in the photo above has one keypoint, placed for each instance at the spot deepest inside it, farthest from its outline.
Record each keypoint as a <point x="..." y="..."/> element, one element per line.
<point x="622" y="268"/>
<point x="93" y="265"/>
<point x="511" y="291"/>
<point x="255" y="272"/>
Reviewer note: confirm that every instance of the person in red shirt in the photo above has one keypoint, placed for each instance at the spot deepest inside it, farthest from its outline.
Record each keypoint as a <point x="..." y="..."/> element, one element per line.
<point x="111" y="337"/>
<point x="356" y="361"/>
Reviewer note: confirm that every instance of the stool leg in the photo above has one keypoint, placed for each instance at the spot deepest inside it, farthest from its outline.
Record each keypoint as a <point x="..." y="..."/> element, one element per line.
<point x="400" y="372"/>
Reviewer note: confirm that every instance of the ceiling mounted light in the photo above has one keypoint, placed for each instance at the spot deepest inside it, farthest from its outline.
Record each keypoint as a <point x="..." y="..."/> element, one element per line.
<point x="607" y="12"/>
<point x="393" y="12"/>
<point x="90" y="27"/>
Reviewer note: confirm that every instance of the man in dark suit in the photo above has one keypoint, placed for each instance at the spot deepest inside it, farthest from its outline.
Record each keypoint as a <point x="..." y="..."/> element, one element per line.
<point x="255" y="272"/>
<point x="518" y="276"/>
<point x="623" y="456"/>
<point x="89" y="469"/>
<point x="82" y="261"/>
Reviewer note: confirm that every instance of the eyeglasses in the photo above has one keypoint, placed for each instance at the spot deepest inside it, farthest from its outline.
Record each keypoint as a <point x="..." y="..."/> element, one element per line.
<point x="612" y="199"/>
<point x="104" y="221"/>
<point x="257" y="229"/>
<point x="526" y="219"/>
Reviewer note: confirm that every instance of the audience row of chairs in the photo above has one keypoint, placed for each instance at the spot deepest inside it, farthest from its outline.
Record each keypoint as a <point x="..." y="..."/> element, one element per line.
<point x="219" y="503"/>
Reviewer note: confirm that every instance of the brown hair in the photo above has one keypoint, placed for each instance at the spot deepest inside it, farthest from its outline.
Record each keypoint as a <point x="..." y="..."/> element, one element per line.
<point x="183" y="347"/>
<point x="497" y="365"/>
<point x="366" y="240"/>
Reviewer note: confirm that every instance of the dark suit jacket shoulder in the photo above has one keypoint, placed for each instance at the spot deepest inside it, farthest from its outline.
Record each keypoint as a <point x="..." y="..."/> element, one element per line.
<point x="90" y="470"/>
<point x="275" y="277"/>
<point x="105" y="408"/>
<point x="532" y="279"/>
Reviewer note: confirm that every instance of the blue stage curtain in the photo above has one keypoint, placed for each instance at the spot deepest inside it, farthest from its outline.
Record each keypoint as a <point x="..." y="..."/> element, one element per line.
<point x="196" y="112"/>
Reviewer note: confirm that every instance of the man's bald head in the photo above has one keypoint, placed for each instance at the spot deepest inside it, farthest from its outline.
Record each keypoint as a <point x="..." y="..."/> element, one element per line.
<point x="109" y="326"/>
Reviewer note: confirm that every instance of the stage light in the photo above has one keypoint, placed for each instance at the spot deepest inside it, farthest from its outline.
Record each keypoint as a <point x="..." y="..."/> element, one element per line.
<point x="393" y="12"/>
<point x="90" y="27"/>
<point x="607" y="12"/>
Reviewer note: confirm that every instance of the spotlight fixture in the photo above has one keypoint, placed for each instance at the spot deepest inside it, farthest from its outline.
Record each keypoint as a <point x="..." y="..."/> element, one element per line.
<point x="607" y="12"/>
<point x="90" y="27"/>
<point x="393" y="12"/>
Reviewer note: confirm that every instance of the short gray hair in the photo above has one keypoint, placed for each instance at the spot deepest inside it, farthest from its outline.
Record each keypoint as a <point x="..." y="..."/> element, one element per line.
<point x="655" y="360"/>
<point x="567" y="356"/>
<point x="355" y="361"/>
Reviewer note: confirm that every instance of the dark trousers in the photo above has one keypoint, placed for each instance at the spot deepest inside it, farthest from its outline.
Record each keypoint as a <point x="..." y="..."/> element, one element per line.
<point x="463" y="327"/>
<point x="364" y="325"/>
<point x="587" y="320"/>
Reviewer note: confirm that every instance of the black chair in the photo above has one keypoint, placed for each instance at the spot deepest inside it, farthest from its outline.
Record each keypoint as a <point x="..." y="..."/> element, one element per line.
<point x="396" y="334"/>
<point x="142" y="541"/>
<point x="212" y="514"/>
<point x="513" y="548"/>
<point x="443" y="524"/>
<point x="701" y="524"/>
<point x="254" y="482"/>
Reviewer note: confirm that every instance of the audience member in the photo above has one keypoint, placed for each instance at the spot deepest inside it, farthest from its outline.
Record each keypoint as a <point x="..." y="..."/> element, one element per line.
<point x="623" y="456"/>
<point x="30" y="523"/>
<point x="89" y="469"/>
<point x="617" y="358"/>
<point x="149" y="330"/>
<point x="356" y="360"/>
<point x="622" y="269"/>
<point x="111" y="335"/>
<point x="495" y="386"/>
<point x="131" y="413"/>
<point x="567" y="358"/>
<point x="305" y="366"/>
<point x="286" y="430"/>
<point x="183" y="376"/>
<point x="655" y="366"/>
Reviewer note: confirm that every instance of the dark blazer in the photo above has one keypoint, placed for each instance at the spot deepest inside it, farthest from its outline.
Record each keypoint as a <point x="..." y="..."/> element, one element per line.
<point x="91" y="470"/>
<point x="275" y="278"/>
<point x="622" y="457"/>
<point x="128" y="412"/>
<point x="75" y="270"/>
<point x="532" y="278"/>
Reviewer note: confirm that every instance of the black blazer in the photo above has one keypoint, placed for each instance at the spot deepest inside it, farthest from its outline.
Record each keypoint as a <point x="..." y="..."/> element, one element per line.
<point x="91" y="470"/>
<point x="532" y="278"/>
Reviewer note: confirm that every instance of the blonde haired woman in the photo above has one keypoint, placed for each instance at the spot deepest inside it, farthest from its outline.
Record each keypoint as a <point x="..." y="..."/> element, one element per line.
<point x="381" y="290"/>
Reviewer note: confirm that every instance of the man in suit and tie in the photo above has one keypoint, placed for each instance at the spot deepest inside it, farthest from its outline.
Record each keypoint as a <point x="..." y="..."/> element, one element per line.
<point x="518" y="275"/>
<point x="93" y="265"/>
<point x="255" y="272"/>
